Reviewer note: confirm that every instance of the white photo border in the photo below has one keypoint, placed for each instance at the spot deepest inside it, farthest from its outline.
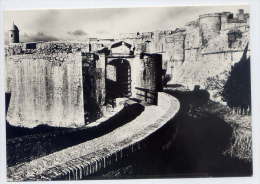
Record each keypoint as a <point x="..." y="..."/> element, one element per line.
<point x="254" y="6"/>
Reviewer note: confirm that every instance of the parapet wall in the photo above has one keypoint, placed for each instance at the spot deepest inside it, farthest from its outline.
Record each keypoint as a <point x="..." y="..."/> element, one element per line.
<point x="46" y="48"/>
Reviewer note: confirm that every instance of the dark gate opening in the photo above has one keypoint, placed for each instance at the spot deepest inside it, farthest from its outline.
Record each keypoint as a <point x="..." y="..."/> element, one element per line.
<point x="118" y="79"/>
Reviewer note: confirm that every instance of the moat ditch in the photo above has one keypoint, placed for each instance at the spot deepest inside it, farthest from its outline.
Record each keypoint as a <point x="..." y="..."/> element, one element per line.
<point x="29" y="144"/>
<point x="191" y="145"/>
<point x="197" y="150"/>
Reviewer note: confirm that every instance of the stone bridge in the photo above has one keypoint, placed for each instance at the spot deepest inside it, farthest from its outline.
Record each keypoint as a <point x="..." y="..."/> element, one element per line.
<point x="92" y="156"/>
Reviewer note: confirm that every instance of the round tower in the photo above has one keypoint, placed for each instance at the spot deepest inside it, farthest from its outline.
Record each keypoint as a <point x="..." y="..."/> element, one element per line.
<point x="225" y="17"/>
<point x="209" y="25"/>
<point x="241" y="15"/>
<point x="14" y="34"/>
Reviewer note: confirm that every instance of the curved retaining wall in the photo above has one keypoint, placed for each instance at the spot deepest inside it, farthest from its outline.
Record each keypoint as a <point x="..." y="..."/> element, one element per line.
<point x="90" y="157"/>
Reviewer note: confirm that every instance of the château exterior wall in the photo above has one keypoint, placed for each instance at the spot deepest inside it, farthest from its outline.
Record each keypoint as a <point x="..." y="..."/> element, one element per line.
<point x="46" y="89"/>
<point x="204" y="48"/>
<point x="46" y="84"/>
<point x="209" y="26"/>
<point x="64" y="85"/>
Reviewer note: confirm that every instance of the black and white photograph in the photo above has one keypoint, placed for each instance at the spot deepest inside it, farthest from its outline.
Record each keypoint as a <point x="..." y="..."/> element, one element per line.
<point x="128" y="93"/>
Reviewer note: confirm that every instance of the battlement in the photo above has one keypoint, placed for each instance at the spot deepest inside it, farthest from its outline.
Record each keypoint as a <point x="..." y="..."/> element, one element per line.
<point x="228" y="17"/>
<point x="210" y="15"/>
<point x="194" y="23"/>
<point x="46" y="47"/>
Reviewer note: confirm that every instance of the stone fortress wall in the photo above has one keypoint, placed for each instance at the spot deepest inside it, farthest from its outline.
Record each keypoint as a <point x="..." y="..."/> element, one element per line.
<point x="206" y="47"/>
<point x="213" y="44"/>
<point x="45" y="81"/>
<point x="57" y="71"/>
<point x="64" y="84"/>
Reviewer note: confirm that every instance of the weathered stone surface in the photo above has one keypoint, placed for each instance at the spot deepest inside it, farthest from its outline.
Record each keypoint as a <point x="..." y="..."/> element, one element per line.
<point x="217" y="39"/>
<point x="46" y="47"/>
<point x="206" y="47"/>
<point x="210" y="48"/>
<point x="46" y="89"/>
<point x="45" y="80"/>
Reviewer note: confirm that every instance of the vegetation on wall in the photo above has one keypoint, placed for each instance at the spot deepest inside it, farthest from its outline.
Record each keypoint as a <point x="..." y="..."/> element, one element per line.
<point x="237" y="89"/>
<point x="233" y="86"/>
<point x="216" y="83"/>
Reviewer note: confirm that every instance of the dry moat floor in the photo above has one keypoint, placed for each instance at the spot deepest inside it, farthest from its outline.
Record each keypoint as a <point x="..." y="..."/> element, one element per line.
<point x="195" y="151"/>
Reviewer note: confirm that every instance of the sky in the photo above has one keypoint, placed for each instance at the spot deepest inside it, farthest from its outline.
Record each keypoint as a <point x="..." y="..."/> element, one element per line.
<point x="79" y="24"/>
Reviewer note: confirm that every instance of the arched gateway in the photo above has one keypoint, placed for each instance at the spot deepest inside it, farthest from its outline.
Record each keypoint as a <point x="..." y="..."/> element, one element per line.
<point x="119" y="78"/>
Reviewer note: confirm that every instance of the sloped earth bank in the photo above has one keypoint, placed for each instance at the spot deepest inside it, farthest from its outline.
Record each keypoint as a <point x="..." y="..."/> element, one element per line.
<point x="210" y="142"/>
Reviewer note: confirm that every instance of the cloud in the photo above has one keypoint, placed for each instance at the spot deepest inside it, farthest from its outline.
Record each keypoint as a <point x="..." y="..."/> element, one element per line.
<point x="77" y="32"/>
<point x="69" y="24"/>
<point x="102" y="31"/>
<point x="40" y="36"/>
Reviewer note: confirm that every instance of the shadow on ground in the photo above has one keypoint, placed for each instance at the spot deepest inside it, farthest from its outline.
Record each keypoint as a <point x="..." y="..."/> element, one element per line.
<point x="30" y="144"/>
<point x="196" y="151"/>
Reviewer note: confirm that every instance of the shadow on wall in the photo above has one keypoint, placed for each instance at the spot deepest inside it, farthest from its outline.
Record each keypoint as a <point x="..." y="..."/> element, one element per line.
<point x="91" y="106"/>
<point x="174" y="86"/>
<point x="7" y="101"/>
<point x="165" y="79"/>
<point x="237" y="89"/>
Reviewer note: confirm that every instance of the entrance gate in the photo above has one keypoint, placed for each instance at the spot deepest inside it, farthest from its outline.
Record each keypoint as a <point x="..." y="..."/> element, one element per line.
<point x="119" y="78"/>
